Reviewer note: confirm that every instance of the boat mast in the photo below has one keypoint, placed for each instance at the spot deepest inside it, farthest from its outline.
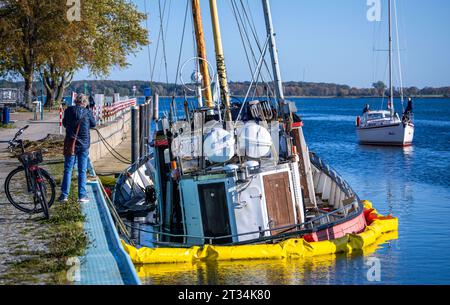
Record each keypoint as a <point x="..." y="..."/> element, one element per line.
<point x="307" y="181"/>
<point x="220" y="60"/>
<point x="273" y="51"/>
<point x="201" y="52"/>
<point x="391" y="87"/>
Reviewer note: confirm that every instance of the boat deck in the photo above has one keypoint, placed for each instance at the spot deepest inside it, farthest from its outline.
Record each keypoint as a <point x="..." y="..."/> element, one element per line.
<point x="105" y="261"/>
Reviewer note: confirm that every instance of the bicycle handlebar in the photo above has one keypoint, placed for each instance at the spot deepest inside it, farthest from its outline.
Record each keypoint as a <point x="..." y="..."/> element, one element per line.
<point x="13" y="143"/>
<point x="19" y="133"/>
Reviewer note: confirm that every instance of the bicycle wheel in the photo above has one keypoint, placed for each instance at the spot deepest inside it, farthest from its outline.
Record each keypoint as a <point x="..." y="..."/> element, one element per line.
<point x="16" y="191"/>
<point x="40" y="195"/>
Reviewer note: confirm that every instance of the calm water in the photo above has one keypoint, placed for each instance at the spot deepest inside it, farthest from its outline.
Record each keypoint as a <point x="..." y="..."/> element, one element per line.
<point x="411" y="183"/>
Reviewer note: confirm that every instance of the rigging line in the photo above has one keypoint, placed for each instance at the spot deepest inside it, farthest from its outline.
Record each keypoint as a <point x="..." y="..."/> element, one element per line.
<point x="398" y="56"/>
<point x="157" y="49"/>
<point x="242" y="37"/>
<point x="156" y="55"/>
<point x="374" y="59"/>
<point x="148" y="46"/>
<point x="244" y="27"/>
<point x="258" y="67"/>
<point x="161" y="13"/>
<point x="252" y="25"/>
<point x="181" y="44"/>
<point x="384" y="78"/>
<point x="249" y="43"/>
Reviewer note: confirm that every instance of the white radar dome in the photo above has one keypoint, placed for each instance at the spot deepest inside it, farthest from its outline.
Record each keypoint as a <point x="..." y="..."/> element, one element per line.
<point x="254" y="141"/>
<point x="218" y="145"/>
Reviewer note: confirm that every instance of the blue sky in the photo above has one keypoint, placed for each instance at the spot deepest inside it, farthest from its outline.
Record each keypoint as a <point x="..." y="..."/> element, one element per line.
<point x="318" y="41"/>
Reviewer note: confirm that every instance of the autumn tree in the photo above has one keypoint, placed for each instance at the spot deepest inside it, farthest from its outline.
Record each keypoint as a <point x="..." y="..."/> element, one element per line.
<point x="40" y="37"/>
<point x="23" y="39"/>
<point x="380" y="87"/>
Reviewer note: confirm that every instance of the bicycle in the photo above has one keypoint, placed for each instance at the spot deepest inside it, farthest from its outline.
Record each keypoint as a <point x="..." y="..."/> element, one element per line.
<point x="38" y="193"/>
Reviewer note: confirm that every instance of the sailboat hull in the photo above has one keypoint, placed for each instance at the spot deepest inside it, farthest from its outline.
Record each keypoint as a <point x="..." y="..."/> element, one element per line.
<point x="389" y="135"/>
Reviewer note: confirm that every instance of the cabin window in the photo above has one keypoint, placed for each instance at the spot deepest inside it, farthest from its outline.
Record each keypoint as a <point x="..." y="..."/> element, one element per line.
<point x="376" y="116"/>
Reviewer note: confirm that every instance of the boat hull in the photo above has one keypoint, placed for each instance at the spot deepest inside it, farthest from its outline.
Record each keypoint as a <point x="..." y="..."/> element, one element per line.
<point x="351" y="226"/>
<point x="390" y="135"/>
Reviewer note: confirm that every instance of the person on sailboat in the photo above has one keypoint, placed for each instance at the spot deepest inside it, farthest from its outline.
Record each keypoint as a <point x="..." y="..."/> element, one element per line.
<point x="409" y="108"/>
<point x="366" y="108"/>
<point x="407" y="114"/>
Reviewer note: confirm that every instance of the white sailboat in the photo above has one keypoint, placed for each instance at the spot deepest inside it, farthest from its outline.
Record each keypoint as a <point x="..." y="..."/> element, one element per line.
<point x="385" y="127"/>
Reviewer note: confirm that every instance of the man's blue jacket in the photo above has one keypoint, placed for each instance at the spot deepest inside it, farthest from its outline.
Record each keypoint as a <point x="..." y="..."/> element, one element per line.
<point x="72" y="116"/>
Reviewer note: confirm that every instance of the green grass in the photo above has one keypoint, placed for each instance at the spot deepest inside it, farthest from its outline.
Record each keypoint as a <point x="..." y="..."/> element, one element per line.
<point x="64" y="237"/>
<point x="7" y="126"/>
<point x="108" y="181"/>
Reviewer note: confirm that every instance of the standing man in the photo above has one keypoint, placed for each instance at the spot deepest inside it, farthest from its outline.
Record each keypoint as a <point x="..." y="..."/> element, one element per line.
<point x="74" y="116"/>
<point x="366" y="108"/>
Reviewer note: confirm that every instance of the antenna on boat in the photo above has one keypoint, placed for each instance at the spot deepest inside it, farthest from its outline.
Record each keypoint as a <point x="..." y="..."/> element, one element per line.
<point x="220" y="60"/>
<point x="201" y="50"/>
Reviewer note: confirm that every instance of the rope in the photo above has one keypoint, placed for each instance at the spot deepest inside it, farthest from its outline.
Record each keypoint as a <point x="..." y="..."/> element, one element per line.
<point x="161" y="17"/>
<point x="251" y="22"/>
<point x="157" y="47"/>
<point x="398" y="56"/>
<point x="116" y="217"/>
<point x="247" y="44"/>
<point x="112" y="150"/>
<point x="181" y="46"/>
<point x="148" y="45"/>
<point x="258" y="67"/>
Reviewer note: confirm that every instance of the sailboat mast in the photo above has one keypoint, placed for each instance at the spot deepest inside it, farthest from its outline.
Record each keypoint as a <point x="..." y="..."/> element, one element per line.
<point x="220" y="59"/>
<point x="391" y="87"/>
<point x="273" y="50"/>
<point x="201" y="52"/>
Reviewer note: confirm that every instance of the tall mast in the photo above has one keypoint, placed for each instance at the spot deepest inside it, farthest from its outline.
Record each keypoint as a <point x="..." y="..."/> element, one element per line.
<point x="273" y="51"/>
<point x="201" y="52"/>
<point x="391" y="87"/>
<point x="220" y="59"/>
<point x="305" y="168"/>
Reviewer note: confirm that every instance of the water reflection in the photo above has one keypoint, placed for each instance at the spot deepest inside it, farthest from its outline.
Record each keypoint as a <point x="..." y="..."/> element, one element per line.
<point x="312" y="270"/>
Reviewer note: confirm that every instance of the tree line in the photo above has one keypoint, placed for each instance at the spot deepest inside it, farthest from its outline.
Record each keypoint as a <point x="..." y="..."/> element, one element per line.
<point x="307" y="89"/>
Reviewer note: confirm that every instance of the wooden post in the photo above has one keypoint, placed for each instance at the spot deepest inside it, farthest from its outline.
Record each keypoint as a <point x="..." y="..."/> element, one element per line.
<point x="156" y="107"/>
<point x="201" y="52"/>
<point x="220" y="59"/>
<point x="134" y="135"/>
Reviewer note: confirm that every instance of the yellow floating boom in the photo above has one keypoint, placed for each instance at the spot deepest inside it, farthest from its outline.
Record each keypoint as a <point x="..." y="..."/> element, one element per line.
<point x="295" y="248"/>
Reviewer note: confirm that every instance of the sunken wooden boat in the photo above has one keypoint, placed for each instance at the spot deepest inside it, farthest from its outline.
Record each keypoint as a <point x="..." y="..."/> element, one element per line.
<point x="236" y="174"/>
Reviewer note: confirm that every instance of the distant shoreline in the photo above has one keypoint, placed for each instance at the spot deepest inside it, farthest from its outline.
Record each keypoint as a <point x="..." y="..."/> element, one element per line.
<point x="333" y="97"/>
<point x="292" y="89"/>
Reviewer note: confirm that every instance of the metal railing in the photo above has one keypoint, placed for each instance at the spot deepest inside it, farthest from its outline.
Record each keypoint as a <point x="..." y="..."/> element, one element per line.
<point x="333" y="174"/>
<point x="301" y="229"/>
<point x="109" y="113"/>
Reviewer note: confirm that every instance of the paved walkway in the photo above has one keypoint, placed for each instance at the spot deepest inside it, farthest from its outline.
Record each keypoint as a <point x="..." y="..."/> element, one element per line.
<point x="105" y="261"/>
<point x="20" y="233"/>
<point x="37" y="130"/>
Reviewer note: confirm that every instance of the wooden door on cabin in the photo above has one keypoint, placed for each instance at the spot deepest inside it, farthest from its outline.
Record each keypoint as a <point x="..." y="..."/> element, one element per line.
<point x="279" y="201"/>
